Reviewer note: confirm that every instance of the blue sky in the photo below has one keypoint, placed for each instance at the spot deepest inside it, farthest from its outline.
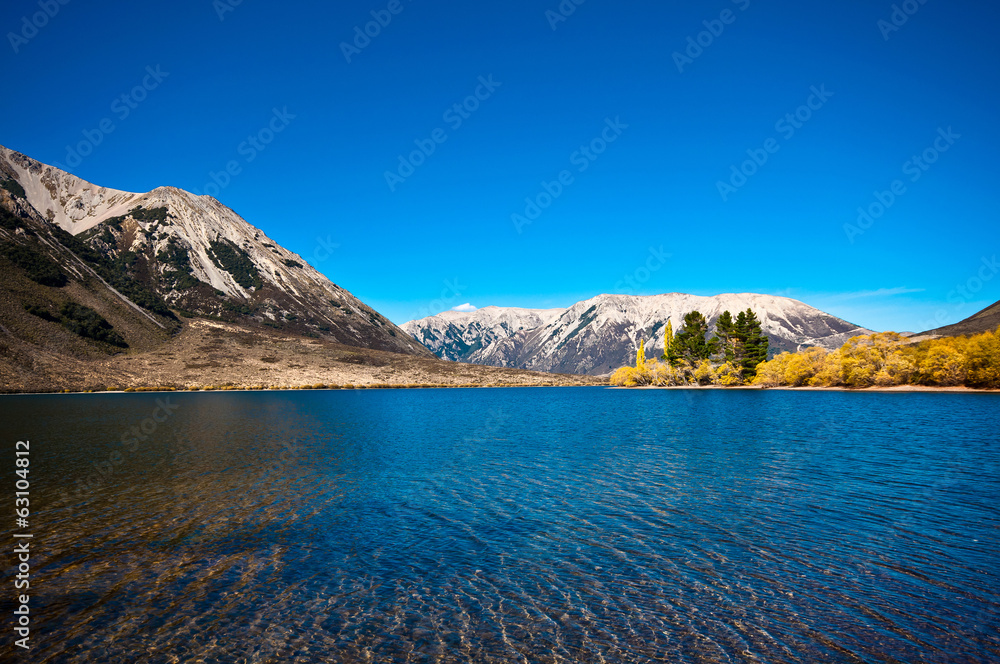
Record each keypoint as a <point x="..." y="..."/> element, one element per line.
<point x="592" y="115"/>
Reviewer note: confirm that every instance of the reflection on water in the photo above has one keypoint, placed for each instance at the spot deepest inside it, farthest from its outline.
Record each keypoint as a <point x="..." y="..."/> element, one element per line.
<point x="518" y="525"/>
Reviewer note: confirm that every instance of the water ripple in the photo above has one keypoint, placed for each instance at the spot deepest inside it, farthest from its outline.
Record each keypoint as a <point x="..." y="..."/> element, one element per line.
<point x="589" y="525"/>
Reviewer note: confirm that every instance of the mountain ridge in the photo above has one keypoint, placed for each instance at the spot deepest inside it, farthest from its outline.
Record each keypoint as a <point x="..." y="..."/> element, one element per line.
<point x="986" y="320"/>
<point x="597" y="335"/>
<point x="196" y="254"/>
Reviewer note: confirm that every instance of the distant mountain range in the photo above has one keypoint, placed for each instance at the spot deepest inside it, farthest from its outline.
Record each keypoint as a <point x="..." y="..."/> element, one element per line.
<point x="600" y="334"/>
<point x="168" y="251"/>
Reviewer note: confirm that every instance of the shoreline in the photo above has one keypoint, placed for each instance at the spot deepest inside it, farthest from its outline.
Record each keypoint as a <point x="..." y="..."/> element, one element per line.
<point x="295" y="389"/>
<point x="957" y="389"/>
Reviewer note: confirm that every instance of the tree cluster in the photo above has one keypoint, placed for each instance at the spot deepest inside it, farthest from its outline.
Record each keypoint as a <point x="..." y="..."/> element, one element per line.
<point x="39" y="268"/>
<point x="81" y="320"/>
<point x="887" y="359"/>
<point x="236" y="261"/>
<point x="691" y="356"/>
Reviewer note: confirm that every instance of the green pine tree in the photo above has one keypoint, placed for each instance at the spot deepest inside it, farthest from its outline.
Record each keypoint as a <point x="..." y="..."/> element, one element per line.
<point x="755" y="344"/>
<point x="740" y="335"/>
<point x="690" y="343"/>
<point x="725" y="334"/>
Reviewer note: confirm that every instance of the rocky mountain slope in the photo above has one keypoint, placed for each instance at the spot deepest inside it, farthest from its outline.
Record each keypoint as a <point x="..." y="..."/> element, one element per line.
<point x="69" y="320"/>
<point x="472" y="337"/>
<point x="172" y="255"/>
<point x="986" y="320"/>
<point x="600" y="334"/>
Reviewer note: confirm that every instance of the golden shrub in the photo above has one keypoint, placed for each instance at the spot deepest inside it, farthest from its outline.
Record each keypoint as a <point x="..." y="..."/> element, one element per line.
<point x="983" y="360"/>
<point x="729" y="374"/>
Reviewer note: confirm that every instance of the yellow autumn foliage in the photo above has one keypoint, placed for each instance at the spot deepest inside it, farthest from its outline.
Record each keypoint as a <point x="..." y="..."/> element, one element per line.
<point x="625" y="377"/>
<point x="982" y="360"/>
<point x="875" y="360"/>
<point x="802" y="367"/>
<point x="886" y="359"/>
<point x="729" y="374"/>
<point x="705" y="374"/>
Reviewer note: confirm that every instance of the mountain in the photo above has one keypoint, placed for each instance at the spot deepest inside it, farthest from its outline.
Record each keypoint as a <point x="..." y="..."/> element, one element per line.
<point x="479" y="335"/>
<point x="172" y="253"/>
<point x="986" y="320"/>
<point x="600" y="334"/>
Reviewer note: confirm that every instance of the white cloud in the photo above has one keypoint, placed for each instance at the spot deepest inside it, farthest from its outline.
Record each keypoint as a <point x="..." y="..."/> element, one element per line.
<point x="464" y="307"/>
<point x="881" y="292"/>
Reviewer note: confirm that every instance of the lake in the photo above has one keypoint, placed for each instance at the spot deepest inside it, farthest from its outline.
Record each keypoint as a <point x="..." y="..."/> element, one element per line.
<point x="511" y="525"/>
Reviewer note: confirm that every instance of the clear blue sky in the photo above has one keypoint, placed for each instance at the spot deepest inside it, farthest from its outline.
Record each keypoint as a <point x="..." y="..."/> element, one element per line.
<point x="448" y="225"/>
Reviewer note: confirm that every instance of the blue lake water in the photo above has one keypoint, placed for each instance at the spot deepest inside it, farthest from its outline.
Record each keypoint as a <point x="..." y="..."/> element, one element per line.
<point x="511" y="525"/>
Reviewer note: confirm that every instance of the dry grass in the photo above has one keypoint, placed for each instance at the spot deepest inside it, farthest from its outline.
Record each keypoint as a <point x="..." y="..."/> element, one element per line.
<point x="212" y="356"/>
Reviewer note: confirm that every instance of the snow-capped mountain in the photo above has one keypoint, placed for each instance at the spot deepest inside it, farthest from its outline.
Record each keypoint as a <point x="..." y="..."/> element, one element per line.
<point x="600" y="334"/>
<point x="197" y="256"/>
<point x="478" y="335"/>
